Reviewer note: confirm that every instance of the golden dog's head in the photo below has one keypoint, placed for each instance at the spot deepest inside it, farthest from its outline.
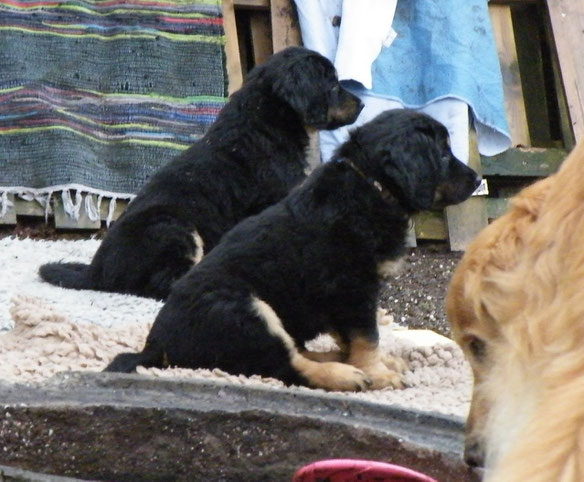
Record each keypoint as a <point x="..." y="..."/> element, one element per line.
<point x="516" y="307"/>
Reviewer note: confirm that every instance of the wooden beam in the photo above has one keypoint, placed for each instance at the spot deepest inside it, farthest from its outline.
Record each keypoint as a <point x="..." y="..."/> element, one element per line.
<point x="528" y="41"/>
<point x="431" y="225"/>
<point x="261" y="36"/>
<point x="233" y="60"/>
<point x="567" y="19"/>
<point x="467" y="219"/>
<point x="285" y="27"/>
<point x="252" y="4"/>
<point x="513" y="90"/>
<point x="496" y="207"/>
<point x="64" y="221"/>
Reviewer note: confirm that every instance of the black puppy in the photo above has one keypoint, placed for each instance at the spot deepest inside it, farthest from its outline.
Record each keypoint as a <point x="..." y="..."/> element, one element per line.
<point x="249" y="159"/>
<point x="311" y="264"/>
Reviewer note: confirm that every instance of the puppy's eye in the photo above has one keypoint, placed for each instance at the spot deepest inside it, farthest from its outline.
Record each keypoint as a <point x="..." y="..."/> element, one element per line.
<point x="477" y="347"/>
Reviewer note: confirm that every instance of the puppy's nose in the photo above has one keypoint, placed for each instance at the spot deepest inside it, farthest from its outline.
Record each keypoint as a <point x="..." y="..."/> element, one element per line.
<point x="360" y="106"/>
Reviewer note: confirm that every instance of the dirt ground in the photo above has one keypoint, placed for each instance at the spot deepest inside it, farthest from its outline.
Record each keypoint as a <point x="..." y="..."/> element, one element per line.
<point x="415" y="297"/>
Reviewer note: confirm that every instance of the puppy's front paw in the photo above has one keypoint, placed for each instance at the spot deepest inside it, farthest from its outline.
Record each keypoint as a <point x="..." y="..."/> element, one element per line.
<point x="382" y="377"/>
<point x="333" y="376"/>
<point x="395" y="363"/>
<point x="387" y="372"/>
<point x="383" y="370"/>
<point x="342" y="377"/>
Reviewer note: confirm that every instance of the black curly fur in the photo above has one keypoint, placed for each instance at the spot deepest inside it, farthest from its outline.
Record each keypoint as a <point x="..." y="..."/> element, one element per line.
<point x="249" y="159"/>
<point x="313" y="257"/>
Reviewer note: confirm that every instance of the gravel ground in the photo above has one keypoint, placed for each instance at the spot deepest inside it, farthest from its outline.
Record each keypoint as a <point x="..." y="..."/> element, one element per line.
<point x="415" y="297"/>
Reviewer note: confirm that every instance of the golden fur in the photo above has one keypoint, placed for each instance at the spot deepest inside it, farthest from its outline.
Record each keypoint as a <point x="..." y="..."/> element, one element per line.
<point x="516" y="307"/>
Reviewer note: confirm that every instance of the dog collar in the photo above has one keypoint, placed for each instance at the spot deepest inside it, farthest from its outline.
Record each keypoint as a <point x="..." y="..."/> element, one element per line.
<point x="385" y="193"/>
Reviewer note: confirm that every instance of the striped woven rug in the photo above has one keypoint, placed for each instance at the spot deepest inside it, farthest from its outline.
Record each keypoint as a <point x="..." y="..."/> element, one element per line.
<point x="95" y="95"/>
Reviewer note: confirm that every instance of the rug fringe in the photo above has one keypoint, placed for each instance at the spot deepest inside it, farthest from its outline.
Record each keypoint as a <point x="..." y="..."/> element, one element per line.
<point x="73" y="197"/>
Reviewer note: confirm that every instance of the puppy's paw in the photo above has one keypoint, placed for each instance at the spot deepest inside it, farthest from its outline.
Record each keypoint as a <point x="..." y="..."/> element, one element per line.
<point x="395" y="363"/>
<point x="323" y="357"/>
<point x="342" y="377"/>
<point x="383" y="377"/>
<point x="333" y="376"/>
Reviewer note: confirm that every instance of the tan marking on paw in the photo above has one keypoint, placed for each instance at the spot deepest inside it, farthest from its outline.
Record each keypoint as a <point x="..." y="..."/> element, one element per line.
<point x="331" y="375"/>
<point x="199" y="248"/>
<point x="390" y="268"/>
<point x="325" y="356"/>
<point x="395" y="363"/>
<point x="365" y="355"/>
<point x="383" y="317"/>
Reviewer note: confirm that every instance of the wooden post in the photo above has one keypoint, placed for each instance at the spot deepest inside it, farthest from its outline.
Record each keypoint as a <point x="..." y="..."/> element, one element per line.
<point x="233" y="61"/>
<point x="63" y="221"/>
<point x="285" y="28"/>
<point x="467" y="219"/>
<point x="261" y="36"/>
<point x="567" y="19"/>
<point x="514" y="102"/>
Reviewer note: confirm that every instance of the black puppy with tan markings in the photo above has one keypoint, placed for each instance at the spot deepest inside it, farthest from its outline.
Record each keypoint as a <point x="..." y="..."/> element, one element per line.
<point x="250" y="158"/>
<point x="310" y="265"/>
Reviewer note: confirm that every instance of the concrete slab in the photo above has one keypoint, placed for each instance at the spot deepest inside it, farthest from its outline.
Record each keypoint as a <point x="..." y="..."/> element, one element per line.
<point x="129" y="427"/>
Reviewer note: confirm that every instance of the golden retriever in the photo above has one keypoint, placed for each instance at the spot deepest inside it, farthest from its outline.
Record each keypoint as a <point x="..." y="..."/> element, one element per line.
<point x="516" y="307"/>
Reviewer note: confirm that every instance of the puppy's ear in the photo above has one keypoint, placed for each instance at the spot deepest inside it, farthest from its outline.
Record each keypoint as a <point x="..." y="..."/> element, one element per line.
<point x="303" y="82"/>
<point x="297" y="87"/>
<point x="411" y="177"/>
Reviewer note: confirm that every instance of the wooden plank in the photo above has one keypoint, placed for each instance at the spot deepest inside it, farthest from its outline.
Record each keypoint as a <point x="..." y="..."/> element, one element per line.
<point x="10" y="214"/>
<point x="496" y="207"/>
<point x="120" y="207"/>
<point x="467" y="219"/>
<point x="431" y="225"/>
<point x="567" y="19"/>
<point x="244" y="41"/>
<point x="233" y="60"/>
<point x="567" y="132"/>
<point x="285" y="27"/>
<point x="28" y="208"/>
<point x="532" y="162"/>
<point x="526" y="23"/>
<point x="261" y="36"/>
<point x="252" y="4"/>
<point x="513" y="91"/>
<point x="64" y="221"/>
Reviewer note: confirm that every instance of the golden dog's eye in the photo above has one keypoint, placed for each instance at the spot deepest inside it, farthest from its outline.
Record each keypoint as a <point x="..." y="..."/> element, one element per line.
<point x="477" y="347"/>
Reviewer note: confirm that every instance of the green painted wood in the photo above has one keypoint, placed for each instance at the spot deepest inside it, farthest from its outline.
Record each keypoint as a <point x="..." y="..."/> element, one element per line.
<point x="530" y="162"/>
<point x="431" y="225"/>
<point x="23" y="207"/>
<point x="496" y="207"/>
